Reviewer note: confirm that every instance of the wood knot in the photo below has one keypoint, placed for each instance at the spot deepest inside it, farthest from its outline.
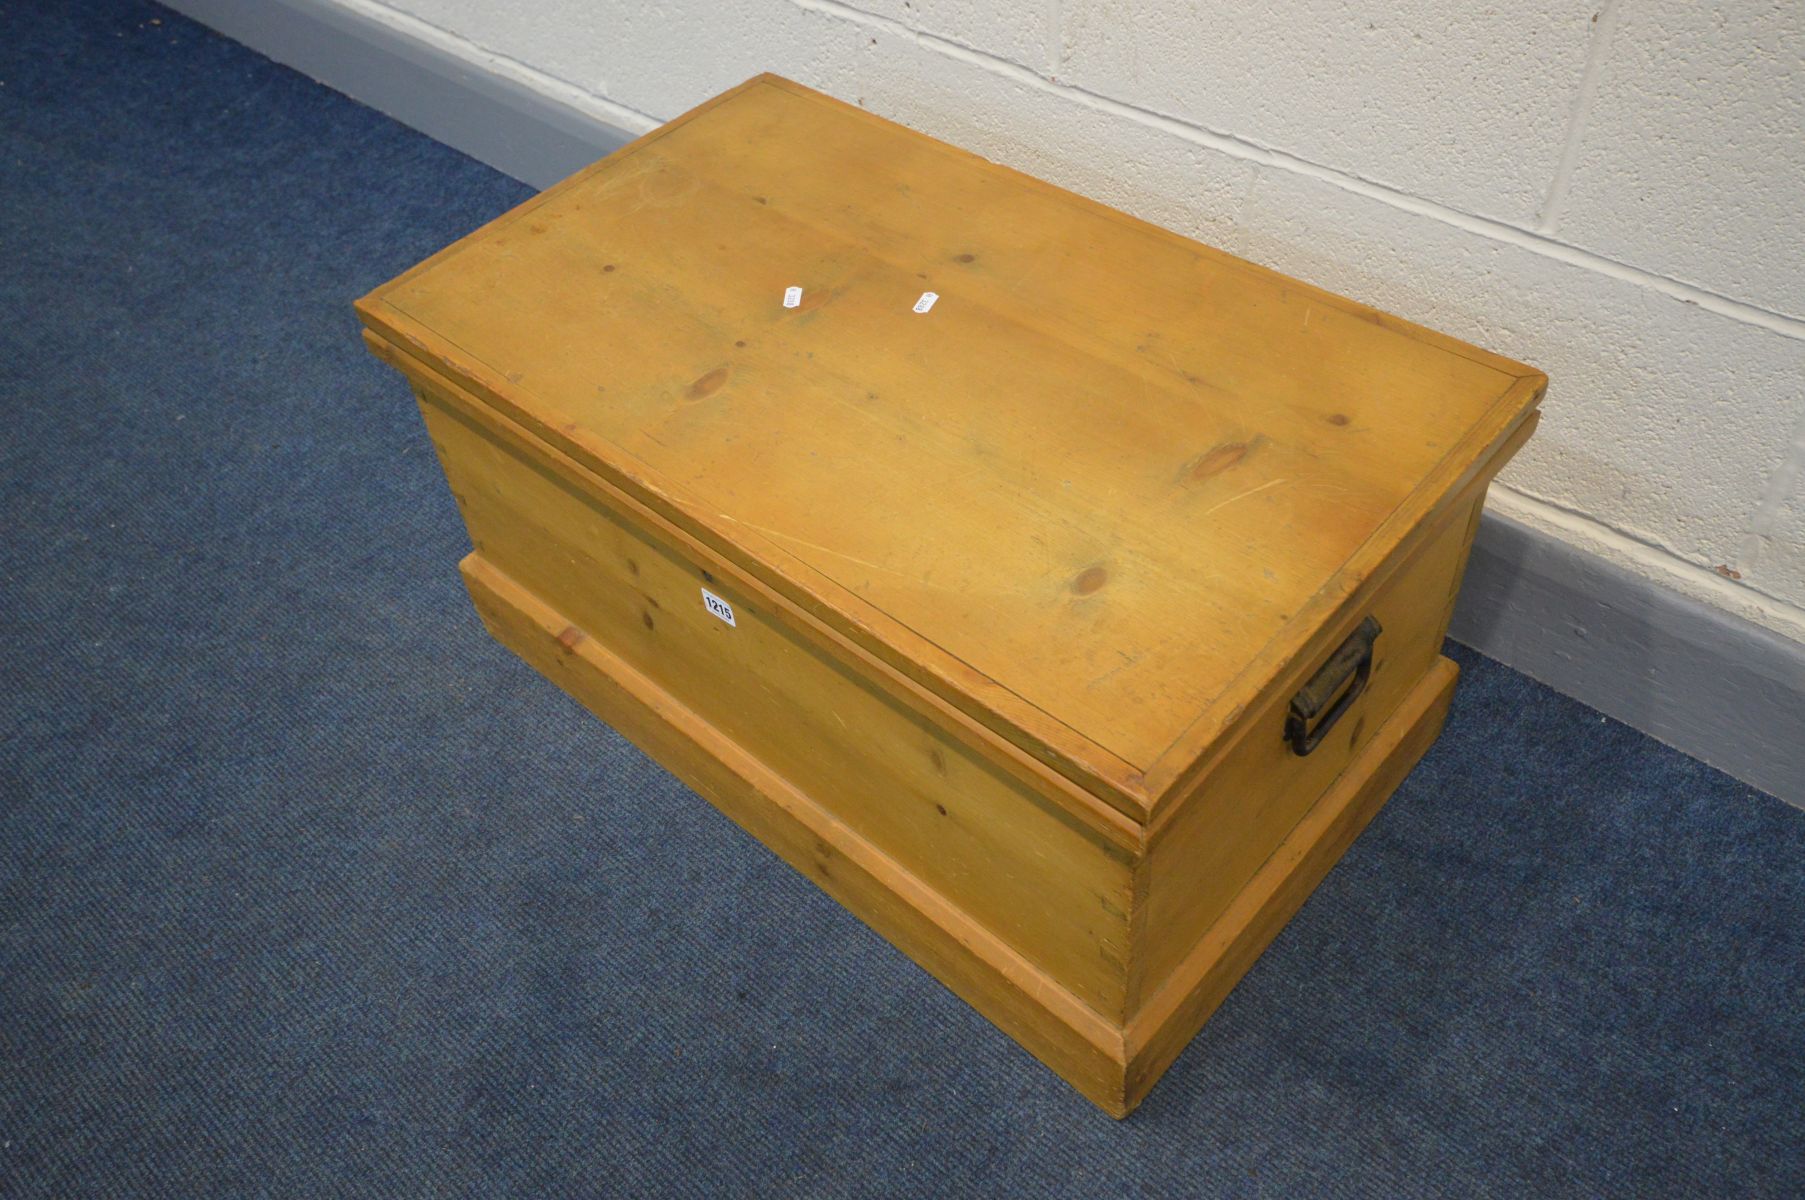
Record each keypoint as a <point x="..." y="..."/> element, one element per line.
<point x="1089" y="580"/>
<point x="966" y="258"/>
<point x="707" y="385"/>
<point x="607" y="268"/>
<point x="1337" y="418"/>
<point x="1214" y="461"/>
<point x="570" y="638"/>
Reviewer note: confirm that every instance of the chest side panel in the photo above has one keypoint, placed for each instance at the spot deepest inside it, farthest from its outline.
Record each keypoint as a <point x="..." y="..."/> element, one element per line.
<point x="1215" y="841"/>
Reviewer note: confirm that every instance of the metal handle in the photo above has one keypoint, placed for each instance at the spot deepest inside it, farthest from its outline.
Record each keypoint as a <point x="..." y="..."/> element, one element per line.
<point x="1354" y="658"/>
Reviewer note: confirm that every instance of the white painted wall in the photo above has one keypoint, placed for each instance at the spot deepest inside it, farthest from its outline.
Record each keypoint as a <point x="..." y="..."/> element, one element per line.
<point x="1613" y="191"/>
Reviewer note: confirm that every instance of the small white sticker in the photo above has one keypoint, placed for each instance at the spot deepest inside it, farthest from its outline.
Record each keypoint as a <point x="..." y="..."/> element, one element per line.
<point x="927" y="301"/>
<point x="718" y="607"/>
<point x="792" y="296"/>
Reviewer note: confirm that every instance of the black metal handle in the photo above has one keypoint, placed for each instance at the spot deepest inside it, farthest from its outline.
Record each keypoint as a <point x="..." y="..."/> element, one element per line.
<point x="1355" y="658"/>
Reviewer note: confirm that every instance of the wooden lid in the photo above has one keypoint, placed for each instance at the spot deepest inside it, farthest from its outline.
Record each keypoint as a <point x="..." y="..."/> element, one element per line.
<point x="1095" y="496"/>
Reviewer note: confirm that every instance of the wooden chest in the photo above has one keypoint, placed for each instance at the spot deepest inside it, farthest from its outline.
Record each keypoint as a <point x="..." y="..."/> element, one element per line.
<point x="1061" y="595"/>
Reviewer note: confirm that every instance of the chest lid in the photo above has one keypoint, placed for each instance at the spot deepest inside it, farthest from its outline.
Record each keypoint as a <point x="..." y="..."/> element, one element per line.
<point x="1091" y="482"/>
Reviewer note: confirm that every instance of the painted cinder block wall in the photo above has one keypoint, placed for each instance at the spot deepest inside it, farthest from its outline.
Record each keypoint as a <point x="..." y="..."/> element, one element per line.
<point x="1612" y="190"/>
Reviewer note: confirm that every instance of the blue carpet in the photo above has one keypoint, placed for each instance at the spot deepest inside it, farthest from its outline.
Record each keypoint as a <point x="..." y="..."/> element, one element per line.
<point x="309" y="889"/>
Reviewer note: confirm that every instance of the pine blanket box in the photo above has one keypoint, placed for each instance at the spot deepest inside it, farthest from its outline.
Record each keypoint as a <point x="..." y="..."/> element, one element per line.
<point x="1061" y="595"/>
